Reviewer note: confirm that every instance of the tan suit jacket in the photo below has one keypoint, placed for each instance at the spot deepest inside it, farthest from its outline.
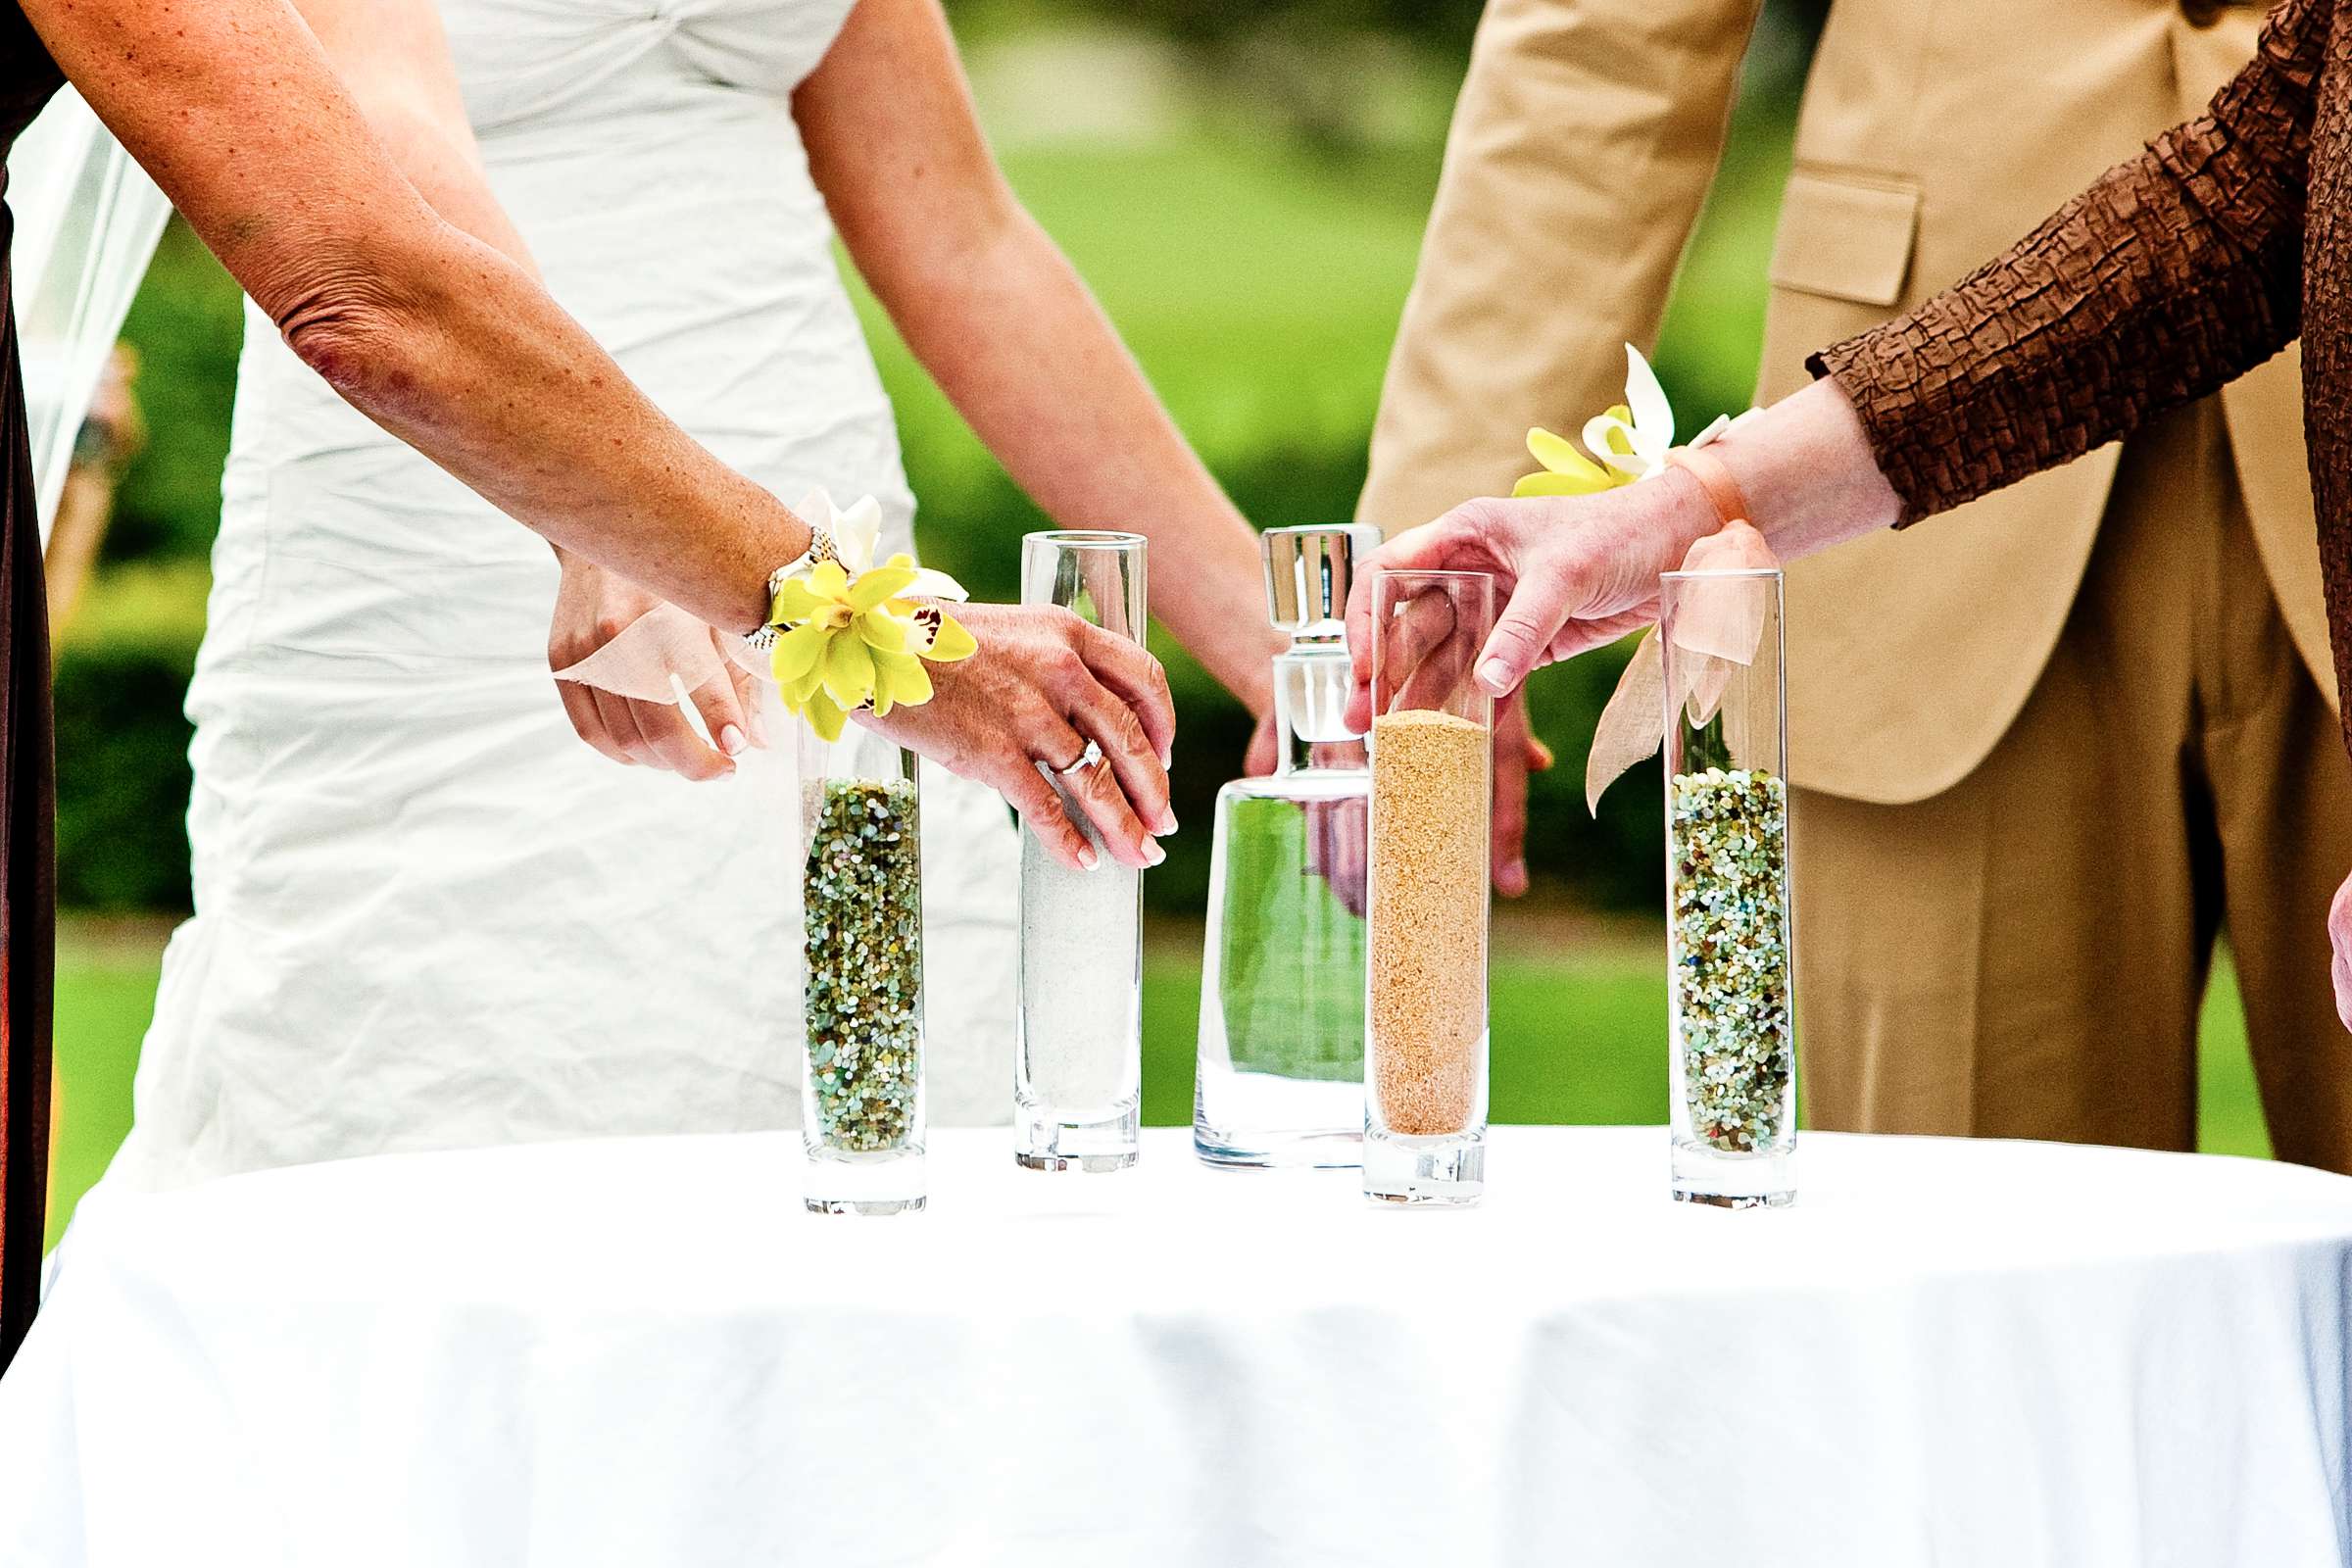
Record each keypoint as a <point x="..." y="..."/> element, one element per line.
<point x="1933" y="134"/>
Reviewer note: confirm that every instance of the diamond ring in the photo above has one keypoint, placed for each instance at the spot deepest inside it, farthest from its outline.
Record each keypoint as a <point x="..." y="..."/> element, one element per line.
<point x="1087" y="759"/>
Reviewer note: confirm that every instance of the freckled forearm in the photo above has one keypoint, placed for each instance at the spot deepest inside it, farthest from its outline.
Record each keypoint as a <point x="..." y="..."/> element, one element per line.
<point x="454" y="350"/>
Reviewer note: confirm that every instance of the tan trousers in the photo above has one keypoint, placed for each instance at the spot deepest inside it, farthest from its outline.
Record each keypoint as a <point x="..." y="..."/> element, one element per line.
<point x="2024" y="954"/>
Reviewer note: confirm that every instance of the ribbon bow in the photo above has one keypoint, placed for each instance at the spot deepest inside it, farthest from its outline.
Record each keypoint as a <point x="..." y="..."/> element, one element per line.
<point x="1716" y="631"/>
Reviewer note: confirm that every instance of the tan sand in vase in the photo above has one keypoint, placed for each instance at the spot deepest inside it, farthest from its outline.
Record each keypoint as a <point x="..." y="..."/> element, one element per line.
<point x="1427" y="956"/>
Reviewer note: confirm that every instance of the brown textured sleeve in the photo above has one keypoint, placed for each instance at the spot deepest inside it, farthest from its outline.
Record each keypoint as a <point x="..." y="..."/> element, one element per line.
<point x="2174" y="274"/>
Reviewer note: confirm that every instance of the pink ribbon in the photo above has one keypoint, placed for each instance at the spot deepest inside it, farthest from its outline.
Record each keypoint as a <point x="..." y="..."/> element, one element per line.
<point x="1718" y="631"/>
<point x="662" y="644"/>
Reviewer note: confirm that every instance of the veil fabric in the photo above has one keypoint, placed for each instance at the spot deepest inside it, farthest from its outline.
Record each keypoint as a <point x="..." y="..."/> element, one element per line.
<point x="87" y="221"/>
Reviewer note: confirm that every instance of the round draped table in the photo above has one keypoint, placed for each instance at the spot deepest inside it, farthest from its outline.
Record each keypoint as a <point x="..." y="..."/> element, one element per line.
<point x="644" y="1353"/>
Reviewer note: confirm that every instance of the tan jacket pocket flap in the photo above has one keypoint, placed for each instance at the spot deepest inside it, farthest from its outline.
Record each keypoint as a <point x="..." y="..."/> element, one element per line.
<point x="1844" y="238"/>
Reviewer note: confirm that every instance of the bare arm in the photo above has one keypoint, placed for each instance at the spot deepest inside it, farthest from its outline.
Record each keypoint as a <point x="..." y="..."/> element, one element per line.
<point x="234" y="107"/>
<point x="995" y="314"/>
<point x="393" y="58"/>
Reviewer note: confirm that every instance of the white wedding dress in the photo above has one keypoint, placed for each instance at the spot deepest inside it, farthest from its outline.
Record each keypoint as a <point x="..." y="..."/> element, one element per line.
<point x="427" y="915"/>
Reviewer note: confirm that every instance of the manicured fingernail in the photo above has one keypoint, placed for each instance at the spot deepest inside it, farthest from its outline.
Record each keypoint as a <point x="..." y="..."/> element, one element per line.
<point x="731" y="740"/>
<point x="1167" y="757"/>
<point x="1497" y="676"/>
<point x="1153" y="853"/>
<point x="1086" y="859"/>
<point x="1515" y="876"/>
<point x="1166" y="824"/>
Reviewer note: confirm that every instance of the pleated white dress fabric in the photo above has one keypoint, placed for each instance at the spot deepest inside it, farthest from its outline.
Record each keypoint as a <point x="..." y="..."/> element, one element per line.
<point x="427" y="916"/>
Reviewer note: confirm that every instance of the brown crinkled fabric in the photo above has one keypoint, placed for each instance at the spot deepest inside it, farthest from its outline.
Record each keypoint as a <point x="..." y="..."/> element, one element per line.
<point x="2175" y="274"/>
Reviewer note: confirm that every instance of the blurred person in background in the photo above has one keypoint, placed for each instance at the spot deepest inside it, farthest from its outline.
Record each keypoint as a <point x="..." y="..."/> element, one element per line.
<point x="2042" y="754"/>
<point x="115" y="433"/>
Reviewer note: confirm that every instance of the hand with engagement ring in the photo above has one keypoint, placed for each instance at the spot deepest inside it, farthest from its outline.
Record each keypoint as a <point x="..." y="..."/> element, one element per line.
<point x="1048" y="710"/>
<point x="1090" y="758"/>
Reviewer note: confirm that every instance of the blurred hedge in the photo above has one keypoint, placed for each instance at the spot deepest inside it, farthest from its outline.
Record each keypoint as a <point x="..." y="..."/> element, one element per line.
<point x="122" y="783"/>
<point x="1258" y="279"/>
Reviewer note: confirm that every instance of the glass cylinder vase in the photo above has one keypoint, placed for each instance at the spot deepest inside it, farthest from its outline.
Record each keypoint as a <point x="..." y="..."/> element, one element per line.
<point x="861" y="976"/>
<point x="1730" y="938"/>
<point x="1078" y="1042"/>
<point x="1425" y="1010"/>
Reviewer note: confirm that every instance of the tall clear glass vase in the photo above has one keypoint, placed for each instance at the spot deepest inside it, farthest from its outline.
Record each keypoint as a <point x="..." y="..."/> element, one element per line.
<point x="1433" y="746"/>
<point x="1730" y="937"/>
<point x="1078" y="1042"/>
<point x="861" y="976"/>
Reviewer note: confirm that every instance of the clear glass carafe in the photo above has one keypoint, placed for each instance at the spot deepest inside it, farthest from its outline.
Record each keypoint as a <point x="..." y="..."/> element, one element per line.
<point x="861" y="975"/>
<point x="1729" y="940"/>
<point x="1280" y="1074"/>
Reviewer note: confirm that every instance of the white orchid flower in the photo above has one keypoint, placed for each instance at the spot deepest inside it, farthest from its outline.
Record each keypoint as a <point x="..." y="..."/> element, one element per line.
<point x="1630" y="441"/>
<point x="1634" y="438"/>
<point x="858" y="533"/>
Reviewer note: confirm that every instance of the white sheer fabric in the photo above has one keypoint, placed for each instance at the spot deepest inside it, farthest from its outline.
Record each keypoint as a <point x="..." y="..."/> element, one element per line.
<point x="87" y="221"/>
<point x="427" y="915"/>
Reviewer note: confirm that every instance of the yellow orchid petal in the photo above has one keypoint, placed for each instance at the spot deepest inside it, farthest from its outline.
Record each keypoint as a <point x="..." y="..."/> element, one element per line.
<point x="827" y="580"/>
<point x="882" y="583"/>
<point x="793" y="603"/>
<point x="808" y="686"/>
<point x="1563" y="484"/>
<point x="848" y="670"/>
<point x="1559" y="457"/>
<point x="882" y="633"/>
<point x="797" y="651"/>
<point x="950" y="643"/>
<point x="824" y="717"/>
<point x="909" y="681"/>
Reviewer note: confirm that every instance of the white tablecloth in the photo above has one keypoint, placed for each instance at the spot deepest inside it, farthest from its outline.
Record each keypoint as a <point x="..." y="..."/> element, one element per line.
<point x="645" y="1353"/>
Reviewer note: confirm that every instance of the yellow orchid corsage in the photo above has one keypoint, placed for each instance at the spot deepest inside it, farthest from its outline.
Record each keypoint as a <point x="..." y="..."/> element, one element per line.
<point x="1630" y="441"/>
<point x="852" y="636"/>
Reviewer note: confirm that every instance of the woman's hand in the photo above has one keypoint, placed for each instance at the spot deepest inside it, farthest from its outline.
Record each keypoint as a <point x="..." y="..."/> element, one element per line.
<point x="1576" y="572"/>
<point x="592" y="607"/>
<point x="1042" y="687"/>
